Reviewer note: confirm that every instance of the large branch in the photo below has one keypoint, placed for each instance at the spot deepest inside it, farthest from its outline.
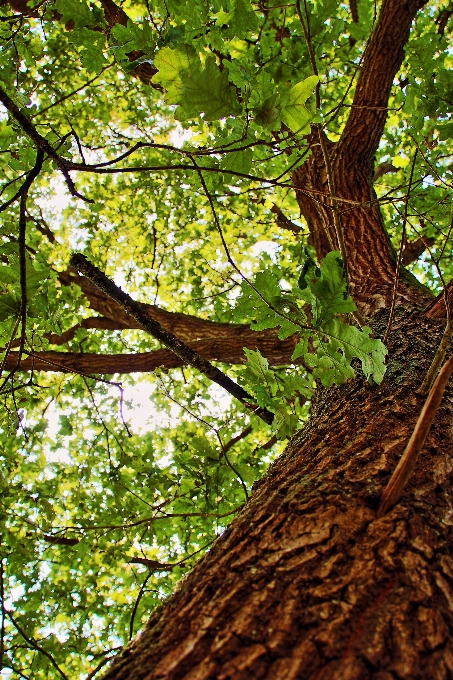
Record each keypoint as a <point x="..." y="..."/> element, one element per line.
<point x="228" y="351"/>
<point x="370" y="257"/>
<point x="185" y="326"/>
<point x="382" y="61"/>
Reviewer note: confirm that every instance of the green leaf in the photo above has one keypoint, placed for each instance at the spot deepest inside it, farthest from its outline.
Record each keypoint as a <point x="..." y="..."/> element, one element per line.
<point x="9" y="306"/>
<point x="75" y="10"/>
<point x="295" y="114"/>
<point x="242" y="18"/>
<point x="343" y="342"/>
<point x="196" y="89"/>
<point x="285" y="422"/>
<point x="238" y="161"/>
<point x="328" y="292"/>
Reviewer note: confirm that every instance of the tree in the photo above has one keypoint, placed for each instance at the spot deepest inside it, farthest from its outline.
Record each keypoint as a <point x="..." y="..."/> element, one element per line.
<point x="270" y="185"/>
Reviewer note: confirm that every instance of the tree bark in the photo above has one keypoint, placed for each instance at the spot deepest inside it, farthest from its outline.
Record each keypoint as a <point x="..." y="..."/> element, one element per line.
<point x="371" y="259"/>
<point x="307" y="583"/>
<point x="228" y="350"/>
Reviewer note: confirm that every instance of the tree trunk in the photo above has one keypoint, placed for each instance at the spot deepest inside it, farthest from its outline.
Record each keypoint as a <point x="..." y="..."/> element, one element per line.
<point x="306" y="582"/>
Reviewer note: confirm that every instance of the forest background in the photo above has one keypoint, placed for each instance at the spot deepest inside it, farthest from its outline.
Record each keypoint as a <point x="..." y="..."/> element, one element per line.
<point x="162" y="140"/>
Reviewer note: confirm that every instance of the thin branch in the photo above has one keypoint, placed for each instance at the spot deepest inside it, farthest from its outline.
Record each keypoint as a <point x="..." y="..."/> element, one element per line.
<point x="234" y="440"/>
<point x="101" y="664"/>
<point x="41" y="142"/>
<point x="405" y="467"/>
<point x="151" y="326"/>
<point x="35" y="645"/>
<point x="71" y="94"/>
<point x="23" y="272"/>
<point x="137" y="602"/>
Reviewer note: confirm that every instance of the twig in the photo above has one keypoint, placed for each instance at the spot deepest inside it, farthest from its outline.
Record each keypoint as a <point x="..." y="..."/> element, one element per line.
<point x="400" y="253"/>
<point x="151" y="326"/>
<point x="394" y="489"/>
<point x="30" y="178"/>
<point x="101" y="664"/>
<point x="35" y="645"/>
<point x="137" y="602"/>
<point x="242" y="435"/>
<point x="41" y="142"/>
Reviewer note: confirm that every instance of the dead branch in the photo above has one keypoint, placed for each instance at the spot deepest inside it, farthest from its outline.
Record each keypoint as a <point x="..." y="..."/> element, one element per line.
<point x="172" y="342"/>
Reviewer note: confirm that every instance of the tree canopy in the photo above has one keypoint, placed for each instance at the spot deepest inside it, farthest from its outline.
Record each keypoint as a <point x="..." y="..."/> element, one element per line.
<point x="162" y="141"/>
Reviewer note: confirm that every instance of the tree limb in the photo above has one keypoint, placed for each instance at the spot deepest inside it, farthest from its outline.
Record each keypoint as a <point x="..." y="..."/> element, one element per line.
<point x="228" y="351"/>
<point x="185" y="326"/>
<point x="151" y="326"/>
<point x="383" y="58"/>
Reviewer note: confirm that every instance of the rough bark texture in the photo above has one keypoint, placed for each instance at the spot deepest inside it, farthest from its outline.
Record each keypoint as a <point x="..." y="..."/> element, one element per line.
<point x="371" y="260"/>
<point x="186" y="327"/>
<point x="306" y="582"/>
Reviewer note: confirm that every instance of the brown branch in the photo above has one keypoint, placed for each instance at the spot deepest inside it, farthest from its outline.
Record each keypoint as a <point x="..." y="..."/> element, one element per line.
<point x="155" y="565"/>
<point x="234" y="440"/>
<point x="383" y="58"/>
<point x="405" y="467"/>
<point x="187" y="327"/>
<point x="32" y="642"/>
<point x="284" y="222"/>
<point x="229" y="350"/>
<point x="60" y="540"/>
<point x="40" y="142"/>
<point x="384" y="169"/>
<point x="171" y="341"/>
<point x="413" y="249"/>
<point x="437" y="309"/>
<point x="354" y="11"/>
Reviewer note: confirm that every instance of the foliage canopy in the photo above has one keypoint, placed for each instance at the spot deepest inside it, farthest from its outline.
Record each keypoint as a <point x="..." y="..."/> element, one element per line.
<point x="176" y="127"/>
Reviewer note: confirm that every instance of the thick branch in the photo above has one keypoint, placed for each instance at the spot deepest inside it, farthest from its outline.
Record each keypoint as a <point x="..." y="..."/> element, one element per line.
<point x="186" y="327"/>
<point x="228" y="351"/>
<point x="383" y="58"/>
<point x="370" y="256"/>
